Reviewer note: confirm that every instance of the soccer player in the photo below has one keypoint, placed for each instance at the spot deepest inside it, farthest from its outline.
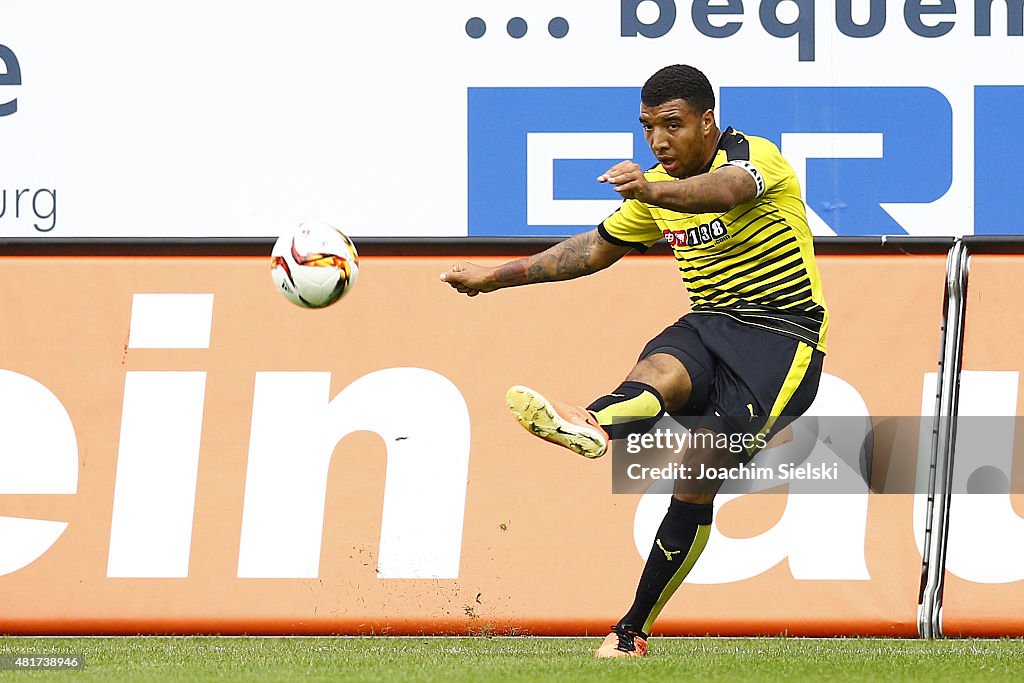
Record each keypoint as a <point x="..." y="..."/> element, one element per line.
<point x="747" y="359"/>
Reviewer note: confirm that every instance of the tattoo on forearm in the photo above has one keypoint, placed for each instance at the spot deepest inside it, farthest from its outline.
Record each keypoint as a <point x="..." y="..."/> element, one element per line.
<point x="568" y="259"/>
<point x="512" y="273"/>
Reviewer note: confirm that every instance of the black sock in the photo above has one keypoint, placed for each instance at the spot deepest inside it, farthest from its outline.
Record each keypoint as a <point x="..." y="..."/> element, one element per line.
<point x="680" y="541"/>
<point x="633" y="407"/>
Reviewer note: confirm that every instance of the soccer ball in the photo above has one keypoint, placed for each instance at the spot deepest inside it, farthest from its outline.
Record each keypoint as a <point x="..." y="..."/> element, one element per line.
<point x="314" y="265"/>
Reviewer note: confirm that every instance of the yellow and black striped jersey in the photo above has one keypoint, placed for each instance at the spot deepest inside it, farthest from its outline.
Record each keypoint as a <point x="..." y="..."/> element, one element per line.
<point x="755" y="262"/>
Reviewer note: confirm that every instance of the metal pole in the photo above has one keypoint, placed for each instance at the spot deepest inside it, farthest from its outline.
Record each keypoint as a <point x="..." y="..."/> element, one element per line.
<point x="943" y="439"/>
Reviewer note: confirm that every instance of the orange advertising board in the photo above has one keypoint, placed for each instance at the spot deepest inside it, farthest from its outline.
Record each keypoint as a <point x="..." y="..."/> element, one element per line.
<point x="984" y="583"/>
<point x="187" y="452"/>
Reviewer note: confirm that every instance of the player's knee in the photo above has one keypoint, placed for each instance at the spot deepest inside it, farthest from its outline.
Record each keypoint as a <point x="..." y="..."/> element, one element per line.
<point x="668" y="375"/>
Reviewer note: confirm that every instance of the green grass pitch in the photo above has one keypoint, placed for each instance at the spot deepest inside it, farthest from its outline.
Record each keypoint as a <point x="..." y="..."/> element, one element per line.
<point x="385" y="658"/>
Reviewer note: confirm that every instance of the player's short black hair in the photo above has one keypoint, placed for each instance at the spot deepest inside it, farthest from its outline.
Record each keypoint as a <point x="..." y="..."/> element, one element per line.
<point x="679" y="82"/>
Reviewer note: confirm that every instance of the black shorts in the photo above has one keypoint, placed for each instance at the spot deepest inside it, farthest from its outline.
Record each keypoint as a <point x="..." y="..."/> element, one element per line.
<point x="747" y="381"/>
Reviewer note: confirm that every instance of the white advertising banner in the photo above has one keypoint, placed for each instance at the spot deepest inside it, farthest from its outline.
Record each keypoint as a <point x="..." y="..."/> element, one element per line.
<point x="465" y="117"/>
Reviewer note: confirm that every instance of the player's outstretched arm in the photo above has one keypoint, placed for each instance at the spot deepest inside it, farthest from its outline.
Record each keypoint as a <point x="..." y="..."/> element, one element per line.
<point x="719" y="191"/>
<point x="574" y="257"/>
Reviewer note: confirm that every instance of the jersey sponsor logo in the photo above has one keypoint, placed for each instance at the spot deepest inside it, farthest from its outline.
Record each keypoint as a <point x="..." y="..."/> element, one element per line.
<point x="675" y="238"/>
<point x="712" y="232"/>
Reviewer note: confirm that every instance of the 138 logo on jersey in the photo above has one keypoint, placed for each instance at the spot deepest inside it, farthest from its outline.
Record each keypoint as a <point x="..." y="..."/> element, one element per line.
<point x="705" y="233"/>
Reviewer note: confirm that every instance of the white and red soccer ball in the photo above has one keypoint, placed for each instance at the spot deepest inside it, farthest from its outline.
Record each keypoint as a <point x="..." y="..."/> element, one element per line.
<point x="314" y="265"/>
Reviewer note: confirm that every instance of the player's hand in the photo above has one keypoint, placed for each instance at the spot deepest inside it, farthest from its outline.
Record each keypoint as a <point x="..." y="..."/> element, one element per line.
<point x="626" y="178"/>
<point x="469" y="278"/>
